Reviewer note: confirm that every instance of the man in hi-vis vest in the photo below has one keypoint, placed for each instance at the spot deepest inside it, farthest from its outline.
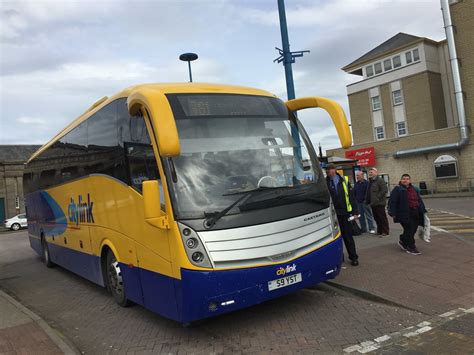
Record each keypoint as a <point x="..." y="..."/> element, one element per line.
<point x="345" y="205"/>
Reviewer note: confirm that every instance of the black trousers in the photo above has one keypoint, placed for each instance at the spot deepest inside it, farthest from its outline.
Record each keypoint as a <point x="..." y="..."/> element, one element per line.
<point x="380" y="217"/>
<point x="409" y="229"/>
<point x="346" y="232"/>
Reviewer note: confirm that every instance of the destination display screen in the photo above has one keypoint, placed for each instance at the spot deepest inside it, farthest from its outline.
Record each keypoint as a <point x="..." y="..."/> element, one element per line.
<point x="225" y="105"/>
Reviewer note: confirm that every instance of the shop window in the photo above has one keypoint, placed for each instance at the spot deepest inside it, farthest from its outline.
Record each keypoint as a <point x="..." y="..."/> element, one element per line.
<point x="446" y="167"/>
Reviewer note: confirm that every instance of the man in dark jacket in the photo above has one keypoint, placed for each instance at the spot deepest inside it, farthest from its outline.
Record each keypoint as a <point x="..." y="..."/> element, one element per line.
<point x="345" y="205"/>
<point x="377" y="199"/>
<point x="407" y="208"/>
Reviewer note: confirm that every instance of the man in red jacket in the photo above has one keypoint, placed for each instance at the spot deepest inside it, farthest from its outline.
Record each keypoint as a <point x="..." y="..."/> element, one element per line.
<point x="407" y="208"/>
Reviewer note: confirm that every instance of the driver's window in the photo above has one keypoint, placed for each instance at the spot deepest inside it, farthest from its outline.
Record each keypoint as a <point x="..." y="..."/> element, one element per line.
<point x="139" y="154"/>
<point x="141" y="164"/>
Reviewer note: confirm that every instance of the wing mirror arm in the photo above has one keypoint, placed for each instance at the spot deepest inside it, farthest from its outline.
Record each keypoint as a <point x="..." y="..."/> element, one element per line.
<point x="333" y="109"/>
<point x="152" y="206"/>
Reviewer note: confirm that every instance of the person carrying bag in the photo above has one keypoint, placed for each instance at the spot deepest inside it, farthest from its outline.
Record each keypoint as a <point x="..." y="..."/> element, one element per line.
<point x="407" y="208"/>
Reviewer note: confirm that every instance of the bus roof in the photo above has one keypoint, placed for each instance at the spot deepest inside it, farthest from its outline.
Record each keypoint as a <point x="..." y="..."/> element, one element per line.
<point x="165" y="88"/>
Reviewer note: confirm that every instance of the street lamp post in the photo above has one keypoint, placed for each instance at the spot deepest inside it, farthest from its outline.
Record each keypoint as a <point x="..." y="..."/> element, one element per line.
<point x="189" y="57"/>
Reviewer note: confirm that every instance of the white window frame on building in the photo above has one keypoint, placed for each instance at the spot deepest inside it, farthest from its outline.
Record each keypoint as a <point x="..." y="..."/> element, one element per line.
<point x="402" y="129"/>
<point x="369" y="71"/>
<point x="378" y="69"/>
<point x="397" y="61"/>
<point x="387" y="64"/>
<point x="416" y="55"/>
<point x="379" y="133"/>
<point x="408" y="57"/>
<point x="397" y="97"/>
<point x="375" y="103"/>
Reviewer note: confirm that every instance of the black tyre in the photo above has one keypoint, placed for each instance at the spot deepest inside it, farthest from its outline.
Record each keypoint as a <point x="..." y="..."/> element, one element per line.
<point x="45" y="253"/>
<point x="15" y="227"/>
<point x="114" y="280"/>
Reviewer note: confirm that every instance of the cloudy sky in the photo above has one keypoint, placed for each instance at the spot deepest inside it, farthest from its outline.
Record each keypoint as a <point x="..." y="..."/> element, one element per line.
<point x="58" y="57"/>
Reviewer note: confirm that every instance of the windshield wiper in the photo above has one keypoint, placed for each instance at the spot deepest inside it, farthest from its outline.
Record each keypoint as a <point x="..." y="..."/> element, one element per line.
<point x="212" y="218"/>
<point x="262" y="188"/>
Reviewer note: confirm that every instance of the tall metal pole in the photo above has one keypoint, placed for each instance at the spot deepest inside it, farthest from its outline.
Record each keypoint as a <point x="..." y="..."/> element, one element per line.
<point x="287" y="55"/>
<point x="190" y="75"/>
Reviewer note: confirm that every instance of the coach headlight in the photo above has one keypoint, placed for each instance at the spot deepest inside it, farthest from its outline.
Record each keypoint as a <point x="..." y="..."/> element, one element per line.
<point x="335" y="223"/>
<point x="195" y="249"/>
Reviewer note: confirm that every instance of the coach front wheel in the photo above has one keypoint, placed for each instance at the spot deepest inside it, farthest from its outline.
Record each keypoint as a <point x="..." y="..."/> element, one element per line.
<point x="115" y="281"/>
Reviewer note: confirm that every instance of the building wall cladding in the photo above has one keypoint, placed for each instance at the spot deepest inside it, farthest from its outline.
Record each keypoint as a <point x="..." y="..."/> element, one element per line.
<point x="386" y="99"/>
<point x="424" y="107"/>
<point x="359" y="106"/>
<point x="419" y="92"/>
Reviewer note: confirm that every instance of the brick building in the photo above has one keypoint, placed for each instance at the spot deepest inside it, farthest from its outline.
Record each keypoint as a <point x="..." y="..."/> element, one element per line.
<point x="12" y="160"/>
<point x="405" y="100"/>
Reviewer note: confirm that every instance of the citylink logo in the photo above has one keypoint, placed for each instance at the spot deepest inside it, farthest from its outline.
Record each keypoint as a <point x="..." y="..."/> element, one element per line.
<point x="285" y="270"/>
<point x="80" y="212"/>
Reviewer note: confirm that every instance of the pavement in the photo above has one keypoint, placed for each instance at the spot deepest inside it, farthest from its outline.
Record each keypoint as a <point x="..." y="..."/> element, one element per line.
<point x="436" y="283"/>
<point x="392" y="303"/>
<point x="24" y="332"/>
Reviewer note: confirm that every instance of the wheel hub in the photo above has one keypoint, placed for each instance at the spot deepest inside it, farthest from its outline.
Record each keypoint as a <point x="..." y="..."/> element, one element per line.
<point x="115" y="278"/>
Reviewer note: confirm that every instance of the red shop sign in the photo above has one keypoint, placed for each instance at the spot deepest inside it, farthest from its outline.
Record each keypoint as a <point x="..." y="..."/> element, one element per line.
<point x="365" y="156"/>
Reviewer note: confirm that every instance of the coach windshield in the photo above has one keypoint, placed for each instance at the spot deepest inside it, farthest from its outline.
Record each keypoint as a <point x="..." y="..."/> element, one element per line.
<point x="247" y="154"/>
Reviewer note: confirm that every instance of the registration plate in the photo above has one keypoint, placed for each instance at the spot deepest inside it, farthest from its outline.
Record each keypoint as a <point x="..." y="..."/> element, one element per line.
<point x="284" y="281"/>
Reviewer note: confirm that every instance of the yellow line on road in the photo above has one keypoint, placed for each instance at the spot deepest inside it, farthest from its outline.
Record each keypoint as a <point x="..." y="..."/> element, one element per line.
<point x="470" y="230"/>
<point x="447" y="221"/>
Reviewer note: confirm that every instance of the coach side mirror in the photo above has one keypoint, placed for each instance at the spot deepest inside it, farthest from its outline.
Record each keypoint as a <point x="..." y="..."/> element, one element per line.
<point x="155" y="107"/>
<point x="332" y="108"/>
<point x="152" y="206"/>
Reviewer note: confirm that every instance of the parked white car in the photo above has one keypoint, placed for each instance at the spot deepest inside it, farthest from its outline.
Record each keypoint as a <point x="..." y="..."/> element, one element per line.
<point x="17" y="222"/>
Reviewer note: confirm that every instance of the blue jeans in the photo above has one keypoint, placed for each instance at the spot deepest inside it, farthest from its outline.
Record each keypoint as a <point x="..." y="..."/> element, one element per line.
<point x="366" y="217"/>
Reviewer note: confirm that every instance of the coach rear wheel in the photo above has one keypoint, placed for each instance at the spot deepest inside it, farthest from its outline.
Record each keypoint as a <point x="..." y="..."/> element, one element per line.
<point x="114" y="281"/>
<point x="45" y="253"/>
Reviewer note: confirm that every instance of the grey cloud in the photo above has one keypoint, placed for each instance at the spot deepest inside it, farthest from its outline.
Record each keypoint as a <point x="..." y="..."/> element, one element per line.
<point x="62" y="58"/>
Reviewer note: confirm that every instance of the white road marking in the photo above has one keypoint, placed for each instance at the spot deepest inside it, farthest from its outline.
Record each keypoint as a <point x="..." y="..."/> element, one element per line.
<point x="411" y="331"/>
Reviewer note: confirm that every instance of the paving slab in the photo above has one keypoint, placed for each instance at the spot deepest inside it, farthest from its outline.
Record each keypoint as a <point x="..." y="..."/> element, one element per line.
<point x="24" y="332"/>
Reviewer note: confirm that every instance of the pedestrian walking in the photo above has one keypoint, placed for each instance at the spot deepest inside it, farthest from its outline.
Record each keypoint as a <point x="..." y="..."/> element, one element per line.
<point x="407" y="208"/>
<point x="360" y="190"/>
<point x="377" y="199"/>
<point x="345" y="205"/>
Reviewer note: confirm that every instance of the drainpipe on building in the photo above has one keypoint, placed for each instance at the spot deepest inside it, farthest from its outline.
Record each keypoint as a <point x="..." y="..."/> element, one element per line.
<point x="463" y="127"/>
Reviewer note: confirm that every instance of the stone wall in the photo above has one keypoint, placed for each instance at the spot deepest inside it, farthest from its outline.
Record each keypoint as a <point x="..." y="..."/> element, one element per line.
<point x="11" y="186"/>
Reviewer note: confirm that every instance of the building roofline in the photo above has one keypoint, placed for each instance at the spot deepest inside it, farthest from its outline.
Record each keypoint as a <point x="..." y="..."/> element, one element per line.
<point x="361" y="61"/>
